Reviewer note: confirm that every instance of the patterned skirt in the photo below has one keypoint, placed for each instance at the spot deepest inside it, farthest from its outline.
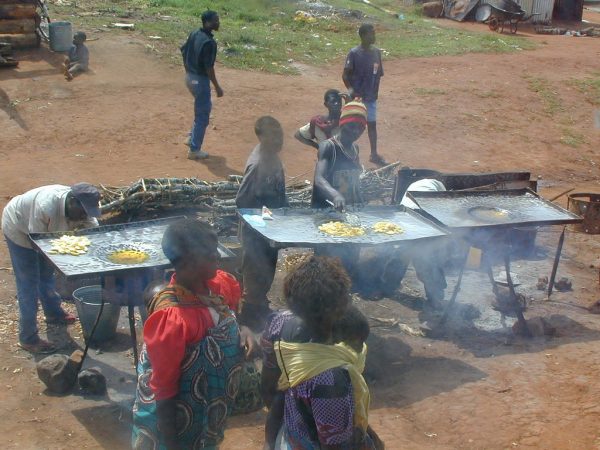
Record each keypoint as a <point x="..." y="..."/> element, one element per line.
<point x="209" y="384"/>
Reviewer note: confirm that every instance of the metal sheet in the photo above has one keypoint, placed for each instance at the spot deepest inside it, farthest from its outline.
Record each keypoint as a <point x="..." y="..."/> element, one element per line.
<point x="543" y="11"/>
<point x="299" y="227"/>
<point x="527" y="6"/>
<point x="521" y="207"/>
<point x="145" y="236"/>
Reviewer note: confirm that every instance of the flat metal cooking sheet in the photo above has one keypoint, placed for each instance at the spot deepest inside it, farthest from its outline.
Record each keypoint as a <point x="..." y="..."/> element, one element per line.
<point x="300" y="227"/>
<point x="466" y="209"/>
<point x="144" y="236"/>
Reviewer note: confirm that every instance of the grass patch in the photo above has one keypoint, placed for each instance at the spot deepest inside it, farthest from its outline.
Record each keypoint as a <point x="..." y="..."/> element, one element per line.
<point x="263" y="35"/>
<point x="572" y="138"/>
<point x="429" y="91"/>
<point x="550" y="98"/>
<point x="589" y="87"/>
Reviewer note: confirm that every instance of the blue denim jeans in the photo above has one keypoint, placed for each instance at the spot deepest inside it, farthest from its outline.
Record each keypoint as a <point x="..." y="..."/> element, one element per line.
<point x="35" y="280"/>
<point x="199" y="86"/>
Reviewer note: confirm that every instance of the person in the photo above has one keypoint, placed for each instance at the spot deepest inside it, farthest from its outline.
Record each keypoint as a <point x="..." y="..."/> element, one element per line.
<point x="188" y="374"/>
<point x="199" y="55"/>
<point x="391" y="264"/>
<point x="263" y="185"/>
<point x="338" y="166"/>
<point x="326" y="399"/>
<point x="362" y="73"/>
<point x="352" y="329"/>
<point x="45" y="209"/>
<point x="322" y="127"/>
<point x="337" y="176"/>
<point x="78" y="58"/>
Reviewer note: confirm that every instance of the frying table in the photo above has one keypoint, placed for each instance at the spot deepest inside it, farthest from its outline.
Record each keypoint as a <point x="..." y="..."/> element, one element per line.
<point x="122" y="284"/>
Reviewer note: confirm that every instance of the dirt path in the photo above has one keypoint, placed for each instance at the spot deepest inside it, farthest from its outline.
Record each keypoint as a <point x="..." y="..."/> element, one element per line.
<point x="129" y="118"/>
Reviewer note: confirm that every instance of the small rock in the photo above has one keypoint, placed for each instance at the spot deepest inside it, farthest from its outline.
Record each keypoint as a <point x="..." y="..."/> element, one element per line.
<point x="57" y="372"/>
<point x="563" y="285"/>
<point x="542" y="284"/>
<point x="92" y="382"/>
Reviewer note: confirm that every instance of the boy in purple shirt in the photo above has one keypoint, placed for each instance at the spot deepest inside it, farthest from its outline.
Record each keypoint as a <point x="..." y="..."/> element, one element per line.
<point x="362" y="72"/>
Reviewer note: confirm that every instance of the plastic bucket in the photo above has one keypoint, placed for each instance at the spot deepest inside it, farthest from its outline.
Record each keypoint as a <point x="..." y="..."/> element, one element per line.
<point x="88" y="300"/>
<point x="61" y="36"/>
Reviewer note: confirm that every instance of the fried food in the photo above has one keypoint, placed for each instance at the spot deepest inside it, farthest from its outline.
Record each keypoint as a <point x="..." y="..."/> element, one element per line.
<point x="70" y="245"/>
<point x="128" y="256"/>
<point x="341" y="229"/>
<point x="387" y="228"/>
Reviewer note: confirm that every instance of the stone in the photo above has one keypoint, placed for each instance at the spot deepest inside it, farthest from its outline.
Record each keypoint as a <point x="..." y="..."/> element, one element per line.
<point x="91" y="381"/>
<point x="58" y="373"/>
<point x="433" y="9"/>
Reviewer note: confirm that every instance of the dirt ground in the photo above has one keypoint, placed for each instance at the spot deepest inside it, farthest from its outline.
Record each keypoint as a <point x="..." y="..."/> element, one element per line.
<point x="471" y="388"/>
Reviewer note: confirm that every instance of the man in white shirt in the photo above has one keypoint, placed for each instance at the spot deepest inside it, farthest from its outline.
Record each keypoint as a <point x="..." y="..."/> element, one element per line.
<point x="45" y="209"/>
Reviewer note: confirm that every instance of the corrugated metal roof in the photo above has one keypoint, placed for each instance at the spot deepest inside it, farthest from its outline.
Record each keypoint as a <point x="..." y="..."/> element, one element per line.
<point x="544" y="9"/>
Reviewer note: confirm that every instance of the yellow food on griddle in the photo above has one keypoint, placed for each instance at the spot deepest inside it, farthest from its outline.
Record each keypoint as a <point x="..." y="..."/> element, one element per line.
<point x="387" y="228"/>
<point x="70" y="245"/>
<point x="341" y="229"/>
<point x="128" y="256"/>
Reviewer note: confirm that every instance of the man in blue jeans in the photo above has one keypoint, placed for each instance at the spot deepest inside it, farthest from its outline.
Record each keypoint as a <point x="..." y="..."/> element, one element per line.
<point x="199" y="55"/>
<point x="362" y="72"/>
<point x="45" y="209"/>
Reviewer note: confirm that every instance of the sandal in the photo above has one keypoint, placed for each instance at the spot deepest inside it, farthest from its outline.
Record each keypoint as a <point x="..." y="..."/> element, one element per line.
<point x="378" y="160"/>
<point x="67" y="319"/>
<point x="41" y="347"/>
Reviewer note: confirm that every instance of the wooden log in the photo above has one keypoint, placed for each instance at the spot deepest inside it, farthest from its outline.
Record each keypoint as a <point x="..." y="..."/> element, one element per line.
<point x="21" y="40"/>
<point x="17" y="26"/>
<point x="17" y="11"/>
<point x="17" y="2"/>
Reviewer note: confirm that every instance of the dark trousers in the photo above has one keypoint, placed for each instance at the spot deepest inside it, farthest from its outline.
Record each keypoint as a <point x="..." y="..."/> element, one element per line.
<point x="199" y="86"/>
<point x="259" y="261"/>
<point x="35" y="280"/>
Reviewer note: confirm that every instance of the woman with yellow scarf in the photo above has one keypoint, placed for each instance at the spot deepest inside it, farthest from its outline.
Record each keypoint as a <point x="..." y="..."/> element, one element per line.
<point x="320" y="392"/>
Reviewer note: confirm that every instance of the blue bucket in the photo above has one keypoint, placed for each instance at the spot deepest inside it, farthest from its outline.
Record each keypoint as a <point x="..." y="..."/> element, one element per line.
<point x="88" y="300"/>
<point x="61" y="36"/>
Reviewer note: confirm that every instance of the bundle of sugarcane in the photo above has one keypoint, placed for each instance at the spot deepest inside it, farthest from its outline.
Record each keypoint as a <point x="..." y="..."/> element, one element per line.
<point x="219" y="196"/>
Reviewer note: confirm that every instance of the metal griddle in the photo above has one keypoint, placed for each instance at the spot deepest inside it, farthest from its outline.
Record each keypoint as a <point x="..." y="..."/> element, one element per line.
<point x="144" y="236"/>
<point x="299" y="227"/>
<point x="467" y="209"/>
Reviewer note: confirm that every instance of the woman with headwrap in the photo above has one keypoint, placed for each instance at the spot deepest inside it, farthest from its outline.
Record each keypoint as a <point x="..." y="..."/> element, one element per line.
<point x="190" y="365"/>
<point x="338" y="167"/>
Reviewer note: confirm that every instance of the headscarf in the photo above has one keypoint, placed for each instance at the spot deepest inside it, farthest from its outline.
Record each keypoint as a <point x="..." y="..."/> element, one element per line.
<point x="354" y="111"/>
<point x="300" y="362"/>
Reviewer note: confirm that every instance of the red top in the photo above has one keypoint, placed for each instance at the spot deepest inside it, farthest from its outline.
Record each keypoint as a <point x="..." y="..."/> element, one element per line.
<point x="167" y="333"/>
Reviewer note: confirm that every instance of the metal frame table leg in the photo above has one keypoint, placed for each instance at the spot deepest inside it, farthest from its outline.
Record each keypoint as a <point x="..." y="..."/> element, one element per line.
<point x="131" y="315"/>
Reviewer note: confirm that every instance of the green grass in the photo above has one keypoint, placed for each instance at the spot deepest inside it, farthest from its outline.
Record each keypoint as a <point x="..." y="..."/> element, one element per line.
<point x="551" y="100"/>
<point x="263" y="35"/>
<point x="572" y="138"/>
<point x="589" y="87"/>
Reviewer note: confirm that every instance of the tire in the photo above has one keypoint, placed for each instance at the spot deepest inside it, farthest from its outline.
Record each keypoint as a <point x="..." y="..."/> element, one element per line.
<point x="493" y="24"/>
<point x="42" y="20"/>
